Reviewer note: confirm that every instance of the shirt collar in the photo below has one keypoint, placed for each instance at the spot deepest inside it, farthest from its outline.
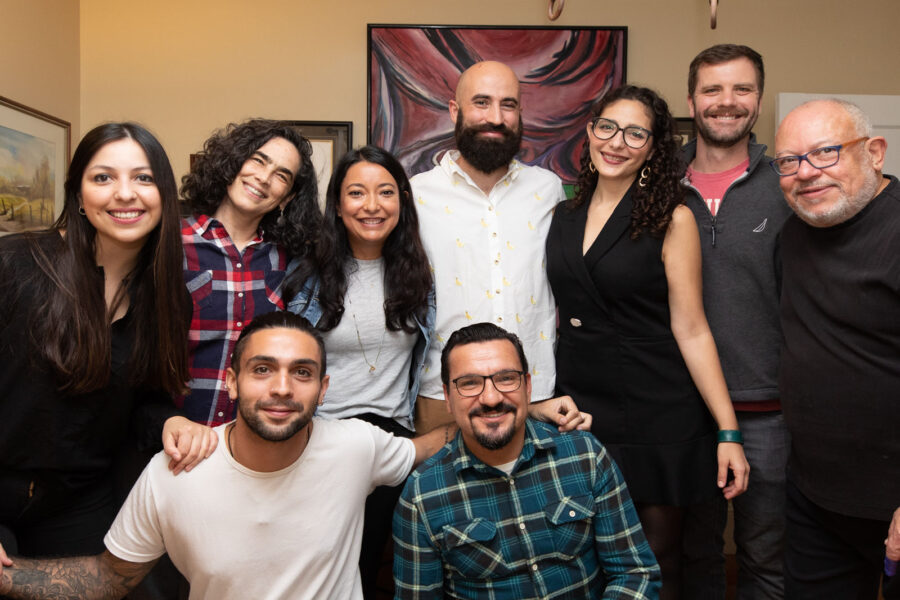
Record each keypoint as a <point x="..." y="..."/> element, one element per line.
<point x="534" y="440"/>
<point x="451" y="166"/>
<point x="207" y="226"/>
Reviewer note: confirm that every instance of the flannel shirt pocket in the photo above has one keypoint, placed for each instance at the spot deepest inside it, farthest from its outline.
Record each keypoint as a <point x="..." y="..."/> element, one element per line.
<point x="572" y="524"/>
<point x="199" y="285"/>
<point x="472" y="549"/>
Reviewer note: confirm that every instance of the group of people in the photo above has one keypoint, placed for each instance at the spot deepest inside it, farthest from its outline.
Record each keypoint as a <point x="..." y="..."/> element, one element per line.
<point x="721" y="325"/>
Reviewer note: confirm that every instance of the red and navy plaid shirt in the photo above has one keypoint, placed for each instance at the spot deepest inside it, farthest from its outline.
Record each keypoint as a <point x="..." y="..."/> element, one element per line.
<point x="228" y="288"/>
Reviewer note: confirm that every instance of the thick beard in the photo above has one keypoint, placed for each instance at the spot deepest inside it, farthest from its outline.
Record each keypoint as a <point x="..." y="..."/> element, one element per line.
<point x="722" y="141"/>
<point x="493" y="439"/>
<point x="487" y="155"/>
<point x="843" y="210"/>
<point x="271" y="434"/>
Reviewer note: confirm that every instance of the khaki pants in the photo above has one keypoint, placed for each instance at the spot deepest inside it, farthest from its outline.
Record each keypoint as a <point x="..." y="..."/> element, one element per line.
<point x="431" y="414"/>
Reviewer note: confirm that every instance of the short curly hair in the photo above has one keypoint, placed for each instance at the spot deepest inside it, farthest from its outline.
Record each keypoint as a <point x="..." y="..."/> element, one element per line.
<point x="655" y="202"/>
<point x="220" y="161"/>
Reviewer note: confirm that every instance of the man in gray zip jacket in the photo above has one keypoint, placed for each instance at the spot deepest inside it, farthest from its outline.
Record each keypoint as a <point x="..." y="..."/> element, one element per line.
<point x="739" y="208"/>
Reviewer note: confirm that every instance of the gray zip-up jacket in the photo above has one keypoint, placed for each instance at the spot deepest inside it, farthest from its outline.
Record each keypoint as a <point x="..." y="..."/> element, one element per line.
<point x="742" y="274"/>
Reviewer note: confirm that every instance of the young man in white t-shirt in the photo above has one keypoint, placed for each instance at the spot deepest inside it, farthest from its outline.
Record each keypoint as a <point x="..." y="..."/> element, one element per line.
<point x="275" y="512"/>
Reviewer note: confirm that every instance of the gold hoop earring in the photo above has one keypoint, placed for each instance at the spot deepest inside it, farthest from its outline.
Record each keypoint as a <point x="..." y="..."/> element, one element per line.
<point x="591" y="167"/>
<point x="645" y="176"/>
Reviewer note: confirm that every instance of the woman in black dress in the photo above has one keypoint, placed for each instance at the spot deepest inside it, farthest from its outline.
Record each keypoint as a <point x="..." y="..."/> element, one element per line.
<point x="623" y="258"/>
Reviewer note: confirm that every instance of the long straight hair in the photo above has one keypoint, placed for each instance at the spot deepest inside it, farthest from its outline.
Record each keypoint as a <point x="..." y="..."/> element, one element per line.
<point x="71" y="330"/>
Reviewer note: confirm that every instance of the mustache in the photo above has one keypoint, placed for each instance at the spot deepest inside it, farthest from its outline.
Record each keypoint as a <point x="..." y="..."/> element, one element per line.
<point x="280" y="405"/>
<point x="491" y="127"/>
<point x="502" y="408"/>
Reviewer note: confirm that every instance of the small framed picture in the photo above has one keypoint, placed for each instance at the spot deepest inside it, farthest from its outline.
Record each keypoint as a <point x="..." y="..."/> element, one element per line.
<point x="34" y="156"/>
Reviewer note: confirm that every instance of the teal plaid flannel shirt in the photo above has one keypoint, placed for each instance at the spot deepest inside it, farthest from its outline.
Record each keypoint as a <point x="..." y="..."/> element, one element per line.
<point x="562" y="525"/>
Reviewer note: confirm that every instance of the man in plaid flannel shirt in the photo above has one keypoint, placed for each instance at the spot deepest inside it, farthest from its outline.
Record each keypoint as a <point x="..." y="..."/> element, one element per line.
<point x="511" y="508"/>
<point x="253" y="194"/>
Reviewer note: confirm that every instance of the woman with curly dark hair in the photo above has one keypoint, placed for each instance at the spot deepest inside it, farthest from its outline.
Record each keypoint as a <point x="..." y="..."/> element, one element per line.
<point x="623" y="259"/>
<point x="253" y="194"/>
<point x="371" y="296"/>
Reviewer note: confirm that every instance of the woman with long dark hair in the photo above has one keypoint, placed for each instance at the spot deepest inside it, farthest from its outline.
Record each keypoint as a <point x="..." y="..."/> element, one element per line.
<point x="369" y="291"/>
<point x="93" y="344"/>
<point x="635" y="350"/>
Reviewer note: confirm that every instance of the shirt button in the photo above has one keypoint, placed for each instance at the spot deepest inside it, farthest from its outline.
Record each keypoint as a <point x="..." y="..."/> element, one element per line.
<point x="496" y="261"/>
<point x="522" y="526"/>
<point x="494" y="234"/>
<point x="239" y="265"/>
<point x="512" y="481"/>
<point x="239" y="324"/>
<point x="571" y="513"/>
<point x="221" y="414"/>
<point x="499" y="319"/>
<point x="490" y="209"/>
<point x="240" y="294"/>
<point x="498" y="291"/>
<point x="575" y="322"/>
<point x="534" y="567"/>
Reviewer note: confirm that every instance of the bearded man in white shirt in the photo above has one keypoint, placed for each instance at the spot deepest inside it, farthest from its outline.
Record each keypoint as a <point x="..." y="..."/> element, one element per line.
<point x="484" y="218"/>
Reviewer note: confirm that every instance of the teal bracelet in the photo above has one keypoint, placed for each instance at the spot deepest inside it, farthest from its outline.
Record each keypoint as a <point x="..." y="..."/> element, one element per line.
<point x="730" y="435"/>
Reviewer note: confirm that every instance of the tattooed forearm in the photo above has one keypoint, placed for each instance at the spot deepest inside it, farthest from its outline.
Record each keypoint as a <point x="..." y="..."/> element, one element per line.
<point x="101" y="577"/>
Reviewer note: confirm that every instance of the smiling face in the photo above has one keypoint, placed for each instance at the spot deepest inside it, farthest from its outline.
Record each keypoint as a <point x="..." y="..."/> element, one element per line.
<point x="492" y="423"/>
<point x="612" y="158"/>
<point x="725" y="103"/>
<point x="119" y="196"/>
<point x="369" y="208"/>
<point x="263" y="182"/>
<point x="826" y="197"/>
<point x="487" y="116"/>
<point x="279" y="382"/>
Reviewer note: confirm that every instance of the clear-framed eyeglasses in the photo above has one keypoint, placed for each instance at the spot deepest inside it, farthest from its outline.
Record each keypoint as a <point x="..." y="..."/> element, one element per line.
<point x="820" y="158"/>
<point x="504" y="381"/>
<point x="634" y="136"/>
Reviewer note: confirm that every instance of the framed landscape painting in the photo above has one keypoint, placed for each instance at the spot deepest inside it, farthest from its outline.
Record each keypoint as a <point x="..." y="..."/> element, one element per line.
<point x="413" y="70"/>
<point x="34" y="153"/>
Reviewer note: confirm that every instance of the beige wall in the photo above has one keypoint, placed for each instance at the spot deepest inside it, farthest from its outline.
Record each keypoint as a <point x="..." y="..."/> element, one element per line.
<point x="39" y="57"/>
<point x="186" y="67"/>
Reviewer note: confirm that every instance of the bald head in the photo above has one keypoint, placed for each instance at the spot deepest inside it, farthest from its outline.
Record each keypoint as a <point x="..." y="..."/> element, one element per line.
<point x="826" y="196"/>
<point x="488" y="74"/>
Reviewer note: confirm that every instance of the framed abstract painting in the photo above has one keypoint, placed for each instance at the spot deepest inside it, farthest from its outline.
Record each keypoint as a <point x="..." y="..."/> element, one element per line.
<point x="413" y="70"/>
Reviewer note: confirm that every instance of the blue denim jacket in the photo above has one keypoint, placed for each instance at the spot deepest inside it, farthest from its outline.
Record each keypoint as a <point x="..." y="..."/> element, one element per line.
<point x="306" y="304"/>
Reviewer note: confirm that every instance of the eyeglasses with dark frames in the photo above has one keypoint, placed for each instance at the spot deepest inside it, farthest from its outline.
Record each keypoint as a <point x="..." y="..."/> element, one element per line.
<point x="507" y="380"/>
<point x="633" y="136"/>
<point x="820" y="158"/>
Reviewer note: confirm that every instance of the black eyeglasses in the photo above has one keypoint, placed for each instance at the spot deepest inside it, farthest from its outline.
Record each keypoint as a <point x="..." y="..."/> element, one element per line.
<point x="820" y="158"/>
<point x="634" y="136"/>
<point x="504" y="381"/>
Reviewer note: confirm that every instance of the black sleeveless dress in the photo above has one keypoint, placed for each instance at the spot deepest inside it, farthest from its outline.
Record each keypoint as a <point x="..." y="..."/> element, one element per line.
<point x="617" y="358"/>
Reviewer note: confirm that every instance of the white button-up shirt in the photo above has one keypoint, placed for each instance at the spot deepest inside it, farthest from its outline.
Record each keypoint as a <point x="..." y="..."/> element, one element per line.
<point x="487" y="256"/>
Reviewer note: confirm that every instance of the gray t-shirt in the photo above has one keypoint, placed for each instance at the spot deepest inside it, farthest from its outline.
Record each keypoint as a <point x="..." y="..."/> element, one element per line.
<point x="368" y="365"/>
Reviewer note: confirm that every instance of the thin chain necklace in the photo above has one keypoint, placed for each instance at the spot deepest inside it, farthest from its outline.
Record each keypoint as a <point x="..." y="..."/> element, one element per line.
<point x="372" y="365"/>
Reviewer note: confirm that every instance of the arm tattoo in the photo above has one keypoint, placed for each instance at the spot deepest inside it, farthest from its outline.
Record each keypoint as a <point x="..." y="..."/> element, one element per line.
<point x="100" y="577"/>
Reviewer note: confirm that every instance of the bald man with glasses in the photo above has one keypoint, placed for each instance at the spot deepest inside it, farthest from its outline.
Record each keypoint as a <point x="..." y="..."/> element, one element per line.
<point x="840" y="363"/>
